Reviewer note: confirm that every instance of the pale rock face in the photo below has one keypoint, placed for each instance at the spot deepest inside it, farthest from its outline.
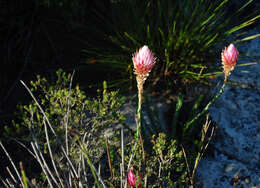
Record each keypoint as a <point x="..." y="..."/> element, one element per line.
<point x="236" y="149"/>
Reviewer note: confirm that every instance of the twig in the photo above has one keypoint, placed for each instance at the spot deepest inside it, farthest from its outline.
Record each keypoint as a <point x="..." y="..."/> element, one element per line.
<point x="211" y="135"/>
<point x="50" y="152"/>
<point x="160" y="169"/>
<point x="11" y="175"/>
<point x="9" y="183"/>
<point x="25" y="147"/>
<point x="145" y="180"/>
<point x="5" y="184"/>
<point x="79" y="172"/>
<point x="53" y="131"/>
<point x="66" y="125"/>
<point x="41" y="164"/>
<point x="109" y="160"/>
<point x="42" y="158"/>
<point x="122" y="173"/>
<point x="131" y="157"/>
<point x="83" y="161"/>
<point x="203" y="148"/>
<point x="10" y="159"/>
<point x="83" y="166"/>
<point x="187" y="164"/>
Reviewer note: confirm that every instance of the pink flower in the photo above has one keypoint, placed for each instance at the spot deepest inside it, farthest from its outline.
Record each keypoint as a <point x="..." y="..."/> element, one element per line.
<point x="131" y="179"/>
<point x="229" y="58"/>
<point x="143" y="60"/>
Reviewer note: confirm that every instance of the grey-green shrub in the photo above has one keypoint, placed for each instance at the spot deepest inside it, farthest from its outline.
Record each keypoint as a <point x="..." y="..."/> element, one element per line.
<point x="62" y="104"/>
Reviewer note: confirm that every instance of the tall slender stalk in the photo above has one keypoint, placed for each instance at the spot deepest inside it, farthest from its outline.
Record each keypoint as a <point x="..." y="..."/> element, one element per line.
<point x="123" y="158"/>
<point x="66" y="127"/>
<point x="229" y="57"/>
<point x="10" y="159"/>
<point x="205" y="110"/>
<point x="143" y="61"/>
<point x="139" y="109"/>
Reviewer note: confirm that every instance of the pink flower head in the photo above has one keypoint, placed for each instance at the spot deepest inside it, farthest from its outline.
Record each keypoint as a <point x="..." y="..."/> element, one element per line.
<point x="131" y="179"/>
<point x="143" y="60"/>
<point x="229" y="58"/>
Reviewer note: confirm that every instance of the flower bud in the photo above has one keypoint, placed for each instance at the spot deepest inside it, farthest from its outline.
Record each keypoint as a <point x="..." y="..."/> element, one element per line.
<point x="229" y="58"/>
<point x="144" y="61"/>
<point x="131" y="179"/>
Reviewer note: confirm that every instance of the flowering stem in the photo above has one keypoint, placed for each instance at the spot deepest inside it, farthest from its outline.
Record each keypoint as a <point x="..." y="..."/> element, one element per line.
<point x="143" y="61"/>
<point x="207" y="106"/>
<point x="138" y="121"/>
<point x="139" y="109"/>
<point x="139" y="118"/>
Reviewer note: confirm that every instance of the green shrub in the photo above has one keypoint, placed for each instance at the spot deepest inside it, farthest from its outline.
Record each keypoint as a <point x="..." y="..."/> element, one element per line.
<point x="67" y="106"/>
<point x="167" y="155"/>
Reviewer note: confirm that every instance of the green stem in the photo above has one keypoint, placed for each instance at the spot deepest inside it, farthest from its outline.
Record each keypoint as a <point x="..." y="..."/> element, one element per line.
<point x="139" y="109"/>
<point x="207" y="106"/>
<point x="24" y="176"/>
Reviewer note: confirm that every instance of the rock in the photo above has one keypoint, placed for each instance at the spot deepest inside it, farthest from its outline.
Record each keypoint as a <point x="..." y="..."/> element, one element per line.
<point x="236" y="160"/>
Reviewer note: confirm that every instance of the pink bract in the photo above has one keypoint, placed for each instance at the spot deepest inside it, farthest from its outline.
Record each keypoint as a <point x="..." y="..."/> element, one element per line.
<point x="131" y="178"/>
<point x="229" y="56"/>
<point x="143" y="60"/>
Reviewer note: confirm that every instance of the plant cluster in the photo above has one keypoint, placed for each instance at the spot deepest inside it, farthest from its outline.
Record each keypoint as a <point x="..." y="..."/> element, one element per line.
<point x="75" y="144"/>
<point x="184" y="35"/>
